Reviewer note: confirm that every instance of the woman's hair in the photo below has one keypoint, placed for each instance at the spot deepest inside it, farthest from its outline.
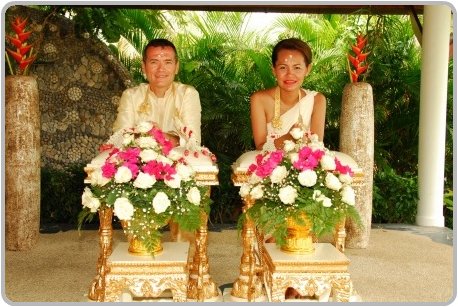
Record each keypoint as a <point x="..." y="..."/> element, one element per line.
<point x="159" y="42"/>
<point x="293" y="44"/>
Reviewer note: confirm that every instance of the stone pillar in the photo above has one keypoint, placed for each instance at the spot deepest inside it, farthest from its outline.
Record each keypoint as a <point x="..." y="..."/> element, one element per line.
<point x="22" y="162"/>
<point x="357" y="140"/>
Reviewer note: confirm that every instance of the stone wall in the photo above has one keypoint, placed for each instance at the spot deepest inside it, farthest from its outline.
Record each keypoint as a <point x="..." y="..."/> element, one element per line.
<point x="80" y="82"/>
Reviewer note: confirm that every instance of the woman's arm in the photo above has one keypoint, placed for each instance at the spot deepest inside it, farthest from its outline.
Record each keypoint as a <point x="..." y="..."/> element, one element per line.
<point x="258" y="119"/>
<point x="318" y="116"/>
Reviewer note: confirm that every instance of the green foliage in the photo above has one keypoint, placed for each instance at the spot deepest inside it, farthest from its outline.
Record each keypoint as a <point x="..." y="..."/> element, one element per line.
<point x="61" y="192"/>
<point x="395" y="197"/>
<point x="226" y="63"/>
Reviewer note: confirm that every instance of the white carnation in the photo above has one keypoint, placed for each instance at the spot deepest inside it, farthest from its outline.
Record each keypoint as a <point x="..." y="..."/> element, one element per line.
<point x="316" y="194"/>
<point x="144" y="181"/>
<point x="289" y="145"/>
<point x="297" y="133"/>
<point x="146" y="142"/>
<point x="164" y="160"/>
<point x="307" y="178"/>
<point x="294" y="157"/>
<point x="278" y="174"/>
<point x="328" y="163"/>
<point x="345" y="178"/>
<point x="257" y="192"/>
<point x="254" y="179"/>
<point x="175" y="182"/>
<point x="287" y="195"/>
<point x="184" y="171"/>
<point x="244" y="190"/>
<point x="97" y="178"/>
<point x="175" y="154"/>
<point x="148" y="155"/>
<point x="89" y="201"/>
<point x="123" y="175"/>
<point x="123" y="209"/>
<point x="193" y="196"/>
<point x="326" y="201"/>
<point x="127" y="138"/>
<point x="161" y="202"/>
<point x="332" y="182"/>
<point x="144" y="127"/>
<point x="348" y="195"/>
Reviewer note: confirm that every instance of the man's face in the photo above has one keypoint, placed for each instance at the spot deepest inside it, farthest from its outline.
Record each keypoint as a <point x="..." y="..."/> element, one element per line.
<point x="160" y="66"/>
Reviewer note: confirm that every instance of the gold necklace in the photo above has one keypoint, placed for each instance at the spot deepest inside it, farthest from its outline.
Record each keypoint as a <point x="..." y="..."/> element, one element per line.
<point x="276" y="121"/>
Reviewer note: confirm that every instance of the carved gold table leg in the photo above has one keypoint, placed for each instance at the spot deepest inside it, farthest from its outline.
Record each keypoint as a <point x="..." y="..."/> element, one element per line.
<point x="248" y="285"/>
<point x="340" y="235"/>
<point x="97" y="289"/>
<point x="201" y="286"/>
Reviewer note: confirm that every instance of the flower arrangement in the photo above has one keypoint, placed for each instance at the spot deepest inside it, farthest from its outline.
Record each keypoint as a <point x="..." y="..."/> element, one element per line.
<point x="358" y="60"/>
<point x="147" y="183"/>
<point x="23" y="54"/>
<point x="304" y="178"/>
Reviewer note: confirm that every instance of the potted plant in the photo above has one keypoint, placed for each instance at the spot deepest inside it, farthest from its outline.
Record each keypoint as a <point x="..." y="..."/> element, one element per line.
<point x="303" y="186"/>
<point x="146" y="183"/>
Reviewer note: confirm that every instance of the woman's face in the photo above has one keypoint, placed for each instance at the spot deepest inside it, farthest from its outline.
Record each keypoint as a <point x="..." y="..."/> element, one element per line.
<point x="160" y="66"/>
<point x="290" y="69"/>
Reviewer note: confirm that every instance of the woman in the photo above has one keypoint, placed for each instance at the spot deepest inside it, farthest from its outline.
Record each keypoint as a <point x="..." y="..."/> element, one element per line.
<point x="275" y="111"/>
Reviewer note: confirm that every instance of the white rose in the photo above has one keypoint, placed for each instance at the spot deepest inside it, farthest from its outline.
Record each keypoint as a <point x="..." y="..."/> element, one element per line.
<point x="278" y="174"/>
<point x="345" y="178"/>
<point x="184" y="171"/>
<point x="194" y="196"/>
<point x="175" y="182"/>
<point x="289" y="145"/>
<point x="244" y="190"/>
<point x="332" y="182"/>
<point x="144" y="181"/>
<point x="257" y="192"/>
<point x="287" y="194"/>
<point x="174" y="154"/>
<point x="146" y="142"/>
<point x="123" y="209"/>
<point x="348" y="195"/>
<point x="98" y="179"/>
<point x="307" y="178"/>
<point x="294" y="157"/>
<point x="148" y="155"/>
<point x="328" y="163"/>
<point x="123" y="174"/>
<point x="89" y="201"/>
<point x="144" y="127"/>
<point x="297" y="133"/>
<point x="326" y="201"/>
<point x="160" y="202"/>
<point x="127" y="138"/>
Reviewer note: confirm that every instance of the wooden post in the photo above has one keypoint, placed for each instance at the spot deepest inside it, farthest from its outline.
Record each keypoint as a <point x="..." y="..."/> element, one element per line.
<point x="22" y="161"/>
<point x="357" y="140"/>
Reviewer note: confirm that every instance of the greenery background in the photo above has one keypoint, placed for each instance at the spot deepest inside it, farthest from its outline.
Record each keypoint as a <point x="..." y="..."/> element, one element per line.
<point x="226" y="61"/>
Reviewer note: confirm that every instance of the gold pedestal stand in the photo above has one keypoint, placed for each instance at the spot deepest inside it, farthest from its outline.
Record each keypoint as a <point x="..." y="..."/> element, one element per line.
<point x="248" y="285"/>
<point x="97" y="289"/>
<point x="201" y="286"/>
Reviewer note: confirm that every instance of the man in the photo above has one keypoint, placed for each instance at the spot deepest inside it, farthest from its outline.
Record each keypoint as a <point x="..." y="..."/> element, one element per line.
<point x="173" y="107"/>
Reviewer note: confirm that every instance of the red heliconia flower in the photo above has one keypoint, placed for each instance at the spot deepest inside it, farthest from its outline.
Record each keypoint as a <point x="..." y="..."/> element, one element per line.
<point x="358" y="60"/>
<point x="23" y="53"/>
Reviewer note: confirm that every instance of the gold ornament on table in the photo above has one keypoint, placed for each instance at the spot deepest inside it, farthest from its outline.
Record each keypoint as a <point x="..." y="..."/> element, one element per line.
<point x="302" y="186"/>
<point x="299" y="239"/>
